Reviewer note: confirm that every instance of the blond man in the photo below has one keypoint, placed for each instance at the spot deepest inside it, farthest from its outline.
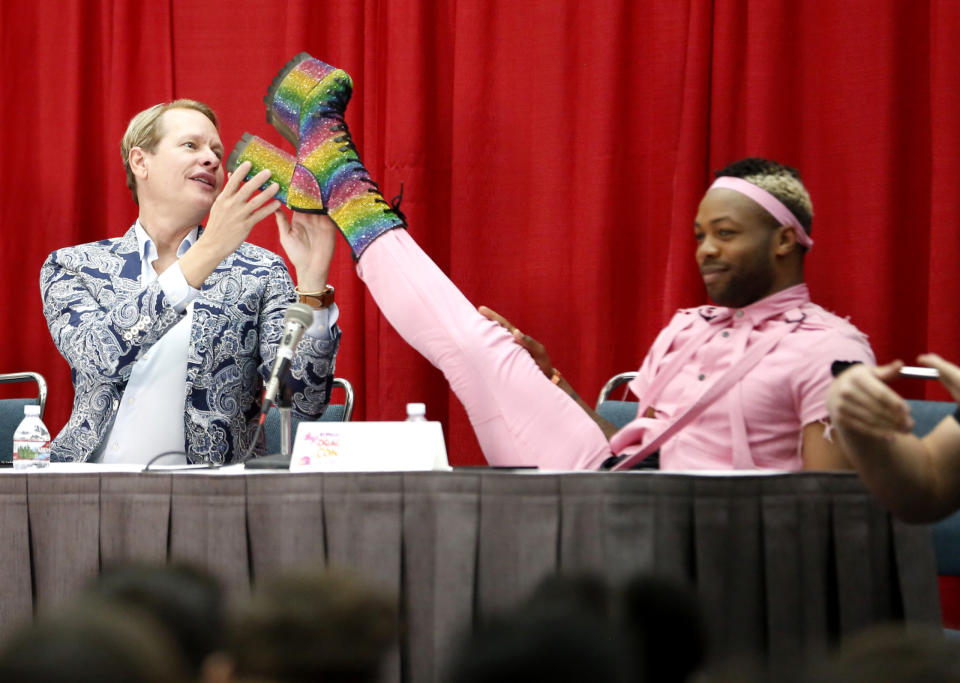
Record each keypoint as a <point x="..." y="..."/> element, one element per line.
<point x="170" y="329"/>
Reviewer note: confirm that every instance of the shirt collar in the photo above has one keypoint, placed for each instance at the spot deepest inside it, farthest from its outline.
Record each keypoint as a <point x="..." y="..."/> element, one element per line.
<point x="764" y="309"/>
<point x="148" y="250"/>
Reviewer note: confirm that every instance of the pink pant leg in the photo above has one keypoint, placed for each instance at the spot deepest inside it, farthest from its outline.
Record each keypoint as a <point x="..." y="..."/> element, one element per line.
<point x="519" y="416"/>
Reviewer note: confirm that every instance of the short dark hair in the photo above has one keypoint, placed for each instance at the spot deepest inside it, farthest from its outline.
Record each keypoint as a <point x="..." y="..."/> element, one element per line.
<point x="542" y="642"/>
<point x="313" y="624"/>
<point x="93" y="640"/>
<point x="664" y="621"/>
<point x="183" y="599"/>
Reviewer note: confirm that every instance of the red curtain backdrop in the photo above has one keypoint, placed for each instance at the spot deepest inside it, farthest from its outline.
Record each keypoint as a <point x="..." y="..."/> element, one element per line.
<point x="552" y="154"/>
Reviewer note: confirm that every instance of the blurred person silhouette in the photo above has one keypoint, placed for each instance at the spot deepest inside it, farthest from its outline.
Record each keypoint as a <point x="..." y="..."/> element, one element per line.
<point x="183" y="599"/>
<point x="660" y="618"/>
<point x="310" y="624"/>
<point x="585" y="592"/>
<point x="556" y="643"/>
<point x="892" y="653"/>
<point x="93" y="640"/>
<point x="664" y="623"/>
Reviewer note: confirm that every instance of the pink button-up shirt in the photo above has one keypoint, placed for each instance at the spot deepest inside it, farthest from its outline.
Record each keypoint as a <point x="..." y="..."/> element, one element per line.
<point x="759" y="422"/>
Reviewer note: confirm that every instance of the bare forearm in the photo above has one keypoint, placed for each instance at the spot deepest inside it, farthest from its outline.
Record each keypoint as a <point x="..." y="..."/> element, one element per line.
<point x="918" y="479"/>
<point x="608" y="428"/>
<point x="312" y="280"/>
<point x="900" y="473"/>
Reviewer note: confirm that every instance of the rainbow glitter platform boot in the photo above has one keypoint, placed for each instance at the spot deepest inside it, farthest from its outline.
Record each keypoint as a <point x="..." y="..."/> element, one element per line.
<point x="298" y="188"/>
<point x="306" y="103"/>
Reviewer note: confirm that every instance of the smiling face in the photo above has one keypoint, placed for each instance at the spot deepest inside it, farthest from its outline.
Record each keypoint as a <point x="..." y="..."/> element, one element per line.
<point x="184" y="173"/>
<point x="736" y="248"/>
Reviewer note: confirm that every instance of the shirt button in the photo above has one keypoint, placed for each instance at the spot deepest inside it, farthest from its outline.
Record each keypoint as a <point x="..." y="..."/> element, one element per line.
<point x="701" y="377"/>
<point x="725" y="333"/>
<point x="739" y="314"/>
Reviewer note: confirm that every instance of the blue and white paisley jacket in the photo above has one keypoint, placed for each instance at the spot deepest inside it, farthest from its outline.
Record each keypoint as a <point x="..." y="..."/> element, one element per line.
<point x="102" y="322"/>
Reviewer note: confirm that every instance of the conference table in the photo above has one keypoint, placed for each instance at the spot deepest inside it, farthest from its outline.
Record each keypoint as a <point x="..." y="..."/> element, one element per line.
<point x="785" y="565"/>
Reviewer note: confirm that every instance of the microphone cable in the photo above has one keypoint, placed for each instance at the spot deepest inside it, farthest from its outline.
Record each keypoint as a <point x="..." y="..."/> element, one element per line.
<point x="256" y="434"/>
<point x="188" y="466"/>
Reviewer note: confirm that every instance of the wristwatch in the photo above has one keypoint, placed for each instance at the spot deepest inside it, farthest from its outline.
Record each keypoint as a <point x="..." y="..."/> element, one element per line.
<point x="316" y="300"/>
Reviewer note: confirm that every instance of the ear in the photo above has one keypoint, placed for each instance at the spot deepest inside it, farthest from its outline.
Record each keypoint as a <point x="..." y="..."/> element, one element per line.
<point x="139" y="162"/>
<point x="785" y="240"/>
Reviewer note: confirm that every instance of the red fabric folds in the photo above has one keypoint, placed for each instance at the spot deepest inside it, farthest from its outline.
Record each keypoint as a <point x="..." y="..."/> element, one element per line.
<point x="552" y="155"/>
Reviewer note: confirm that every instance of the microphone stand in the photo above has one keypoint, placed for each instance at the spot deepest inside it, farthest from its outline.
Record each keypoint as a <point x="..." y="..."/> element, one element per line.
<point x="284" y="405"/>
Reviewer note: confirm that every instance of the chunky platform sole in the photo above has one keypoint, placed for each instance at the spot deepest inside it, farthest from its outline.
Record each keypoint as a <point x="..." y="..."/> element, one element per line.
<point x="272" y="118"/>
<point x="303" y="90"/>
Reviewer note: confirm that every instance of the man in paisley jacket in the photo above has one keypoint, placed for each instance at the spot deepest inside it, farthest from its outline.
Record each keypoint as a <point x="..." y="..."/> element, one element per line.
<point x="171" y="329"/>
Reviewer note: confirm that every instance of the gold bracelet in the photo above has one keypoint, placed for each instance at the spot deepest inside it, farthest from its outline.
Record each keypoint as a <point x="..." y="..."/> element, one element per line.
<point x="317" y="300"/>
<point x="555" y="378"/>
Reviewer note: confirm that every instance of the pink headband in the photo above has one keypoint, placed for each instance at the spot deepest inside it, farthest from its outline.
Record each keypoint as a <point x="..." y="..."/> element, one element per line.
<point x="773" y="206"/>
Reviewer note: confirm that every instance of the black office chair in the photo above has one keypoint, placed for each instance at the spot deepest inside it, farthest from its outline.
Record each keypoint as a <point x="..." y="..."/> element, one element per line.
<point x="335" y="412"/>
<point x="11" y="409"/>
<point x="617" y="411"/>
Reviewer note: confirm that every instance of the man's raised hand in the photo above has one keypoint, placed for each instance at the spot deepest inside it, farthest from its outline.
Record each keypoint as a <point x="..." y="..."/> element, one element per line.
<point x="949" y="373"/>
<point x="308" y="240"/>
<point x="859" y="400"/>
<point x="536" y="350"/>
<point x="235" y="211"/>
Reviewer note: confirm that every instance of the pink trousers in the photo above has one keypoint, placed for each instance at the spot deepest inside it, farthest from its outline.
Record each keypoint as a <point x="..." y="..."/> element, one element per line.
<point x="519" y="416"/>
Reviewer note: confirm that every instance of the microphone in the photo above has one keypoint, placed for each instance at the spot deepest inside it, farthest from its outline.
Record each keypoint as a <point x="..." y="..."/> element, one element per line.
<point x="297" y="319"/>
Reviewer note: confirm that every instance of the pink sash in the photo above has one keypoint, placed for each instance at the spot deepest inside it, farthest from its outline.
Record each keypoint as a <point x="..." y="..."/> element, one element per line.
<point x="641" y="426"/>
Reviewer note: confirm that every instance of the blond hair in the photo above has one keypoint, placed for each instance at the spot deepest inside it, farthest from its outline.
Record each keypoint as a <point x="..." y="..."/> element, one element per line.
<point x="787" y="188"/>
<point x="782" y="181"/>
<point x="144" y="131"/>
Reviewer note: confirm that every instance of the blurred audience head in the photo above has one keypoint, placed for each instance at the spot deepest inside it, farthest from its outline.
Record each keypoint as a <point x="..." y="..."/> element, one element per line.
<point x="583" y="592"/>
<point x="663" y="621"/>
<point x="312" y="625"/>
<point x="92" y="641"/>
<point x="184" y="600"/>
<point x="563" y="632"/>
<point x="542" y="643"/>
<point x="892" y="653"/>
<point x="575" y="627"/>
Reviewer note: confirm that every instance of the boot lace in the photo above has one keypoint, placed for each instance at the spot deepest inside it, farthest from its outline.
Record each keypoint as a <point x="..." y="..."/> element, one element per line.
<point x="393" y="206"/>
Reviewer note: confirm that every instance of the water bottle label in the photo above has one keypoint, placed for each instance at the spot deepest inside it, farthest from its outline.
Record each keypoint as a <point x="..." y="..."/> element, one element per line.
<point x="31" y="449"/>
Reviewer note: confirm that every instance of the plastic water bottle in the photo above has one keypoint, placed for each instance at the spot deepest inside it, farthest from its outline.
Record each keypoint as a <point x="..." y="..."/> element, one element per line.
<point x="416" y="412"/>
<point x="31" y="441"/>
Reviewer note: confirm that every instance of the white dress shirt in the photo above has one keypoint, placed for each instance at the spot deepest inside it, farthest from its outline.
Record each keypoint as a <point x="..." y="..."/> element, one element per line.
<point x="149" y="420"/>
